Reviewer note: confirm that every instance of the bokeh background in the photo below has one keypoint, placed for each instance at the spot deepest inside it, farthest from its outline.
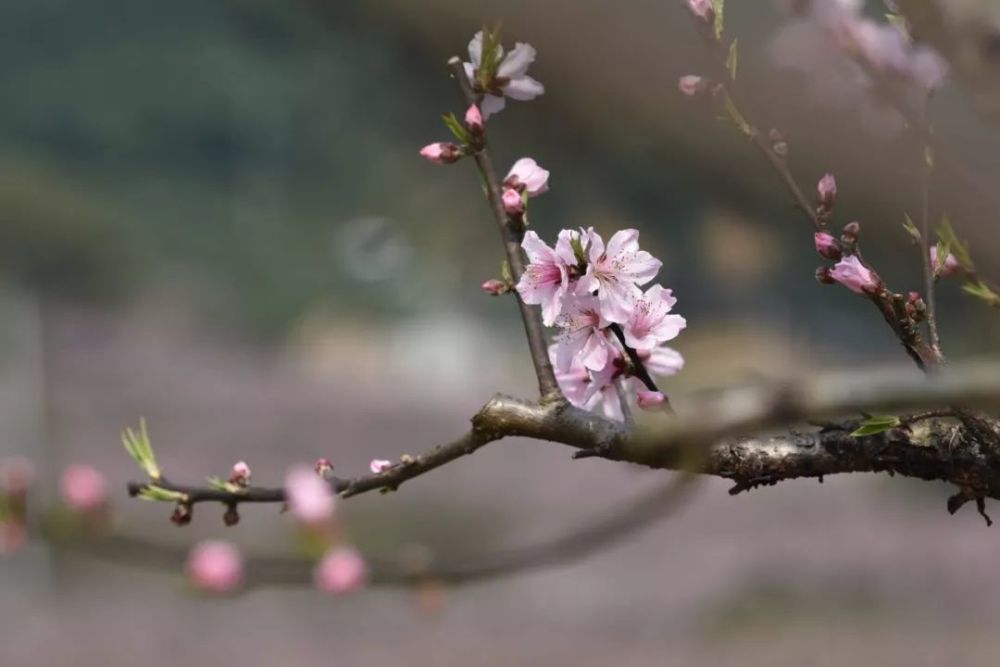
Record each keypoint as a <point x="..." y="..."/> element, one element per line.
<point x="213" y="215"/>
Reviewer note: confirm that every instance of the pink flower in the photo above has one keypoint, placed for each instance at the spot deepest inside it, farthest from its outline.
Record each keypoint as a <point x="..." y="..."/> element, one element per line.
<point x="379" y="465"/>
<point x="83" y="488"/>
<point x="323" y="467"/>
<point x="511" y="79"/>
<point x="215" y="567"/>
<point x="309" y="497"/>
<point x="602" y="391"/>
<point x="474" y="119"/>
<point x="494" y="287"/>
<point x="661" y="360"/>
<point x="702" y="9"/>
<point x="650" y="322"/>
<point x="513" y="202"/>
<point x="615" y="272"/>
<point x="951" y="264"/>
<point x="826" y="191"/>
<point x="650" y="400"/>
<point x="342" y="570"/>
<point x="691" y="85"/>
<point x="441" y="152"/>
<point x="527" y="176"/>
<point x="240" y="474"/>
<point x="546" y="278"/>
<point x="574" y="379"/>
<point x="826" y="245"/>
<point x="854" y="275"/>
<point x="583" y="334"/>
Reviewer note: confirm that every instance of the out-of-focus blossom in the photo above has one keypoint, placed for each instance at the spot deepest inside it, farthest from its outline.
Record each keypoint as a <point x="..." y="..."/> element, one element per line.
<point x="650" y="400"/>
<point x="83" y="488"/>
<point x="342" y="570"/>
<point x="616" y="271"/>
<point x="441" y="152"/>
<point x="826" y="191"/>
<point x="13" y="537"/>
<point x="702" y="9"/>
<point x="650" y="321"/>
<point x="511" y="79"/>
<point x="323" y="467"/>
<point x="16" y="475"/>
<point x="240" y="474"/>
<point x="310" y="499"/>
<point x="527" y="176"/>
<point x="950" y="267"/>
<point x="826" y="245"/>
<point x="662" y="360"/>
<point x="691" y="85"/>
<point x="854" y="275"/>
<point x="379" y="465"/>
<point x="474" y="119"/>
<point x="215" y="567"/>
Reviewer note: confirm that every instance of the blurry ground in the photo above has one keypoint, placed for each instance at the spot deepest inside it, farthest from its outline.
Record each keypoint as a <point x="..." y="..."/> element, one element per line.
<point x="860" y="569"/>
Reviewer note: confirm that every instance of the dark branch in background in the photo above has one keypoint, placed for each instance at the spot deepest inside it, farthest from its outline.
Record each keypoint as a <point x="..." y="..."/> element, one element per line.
<point x="511" y="233"/>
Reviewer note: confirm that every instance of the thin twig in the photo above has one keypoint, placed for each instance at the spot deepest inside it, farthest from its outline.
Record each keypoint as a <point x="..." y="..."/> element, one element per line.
<point x="925" y="247"/>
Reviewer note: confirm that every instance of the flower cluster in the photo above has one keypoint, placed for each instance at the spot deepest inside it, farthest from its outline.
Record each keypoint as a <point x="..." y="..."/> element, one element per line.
<point x="497" y="77"/>
<point x="593" y="293"/>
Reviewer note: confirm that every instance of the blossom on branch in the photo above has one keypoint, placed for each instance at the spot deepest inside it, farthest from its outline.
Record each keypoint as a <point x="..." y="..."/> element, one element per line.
<point x="950" y="267"/>
<point x="650" y="322"/>
<point x="310" y="499"/>
<point x="854" y="275"/>
<point x="616" y="271"/>
<point x="510" y="79"/>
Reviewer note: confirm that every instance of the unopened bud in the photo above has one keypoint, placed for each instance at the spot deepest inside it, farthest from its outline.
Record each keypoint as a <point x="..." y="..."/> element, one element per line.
<point x="494" y="287"/>
<point x="826" y="245"/>
<point x="849" y="235"/>
<point x="441" y="152"/>
<point x="323" y="467"/>
<point x="232" y="516"/>
<point x="182" y="514"/>
<point x="474" y="120"/>
<point x="513" y="202"/>
<point x="240" y="475"/>
<point x="823" y="276"/>
<point x="915" y="307"/>
<point x="692" y="85"/>
<point x="826" y="192"/>
<point x="650" y="400"/>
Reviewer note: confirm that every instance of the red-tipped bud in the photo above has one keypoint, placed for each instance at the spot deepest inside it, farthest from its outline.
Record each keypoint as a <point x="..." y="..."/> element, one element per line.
<point x="323" y="467"/>
<point x="513" y="202"/>
<point x="826" y="192"/>
<point x="823" y="276"/>
<point x="692" y="85"/>
<point x="826" y="245"/>
<point x="182" y="514"/>
<point x="915" y="307"/>
<point x="240" y="475"/>
<point x="650" y="400"/>
<point x="441" y="152"/>
<point x="232" y="516"/>
<point x="474" y="120"/>
<point x="494" y="287"/>
<point x="849" y="235"/>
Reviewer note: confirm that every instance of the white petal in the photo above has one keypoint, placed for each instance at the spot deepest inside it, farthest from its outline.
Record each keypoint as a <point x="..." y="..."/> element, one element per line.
<point x="517" y="61"/>
<point x="476" y="49"/>
<point x="523" y="88"/>
<point x="624" y="240"/>
<point x="491" y="105"/>
<point x="536" y="249"/>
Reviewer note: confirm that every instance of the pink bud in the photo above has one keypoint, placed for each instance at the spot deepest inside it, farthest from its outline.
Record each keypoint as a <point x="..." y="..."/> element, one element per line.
<point x="854" y="275"/>
<point x="702" y="9"/>
<point x="309" y="497"/>
<point x="650" y="400"/>
<point x="826" y="191"/>
<point x="494" y="287"/>
<point x="441" y="152"/>
<point x="83" y="488"/>
<point x="826" y="245"/>
<point x="323" y="467"/>
<point x="951" y="264"/>
<point x="241" y="473"/>
<point x="342" y="570"/>
<point x="379" y="465"/>
<point x="691" y="85"/>
<point x="474" y="119"/>
<point x="215" y="567"/>
<point x="513" y="203"/>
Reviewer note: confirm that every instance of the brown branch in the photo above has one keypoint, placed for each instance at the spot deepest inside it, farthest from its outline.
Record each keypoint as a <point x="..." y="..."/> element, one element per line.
<point x="511" y="233"/>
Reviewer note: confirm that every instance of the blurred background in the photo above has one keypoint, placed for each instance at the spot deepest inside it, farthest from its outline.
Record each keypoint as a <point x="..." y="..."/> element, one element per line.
<point x="213" y="215"/>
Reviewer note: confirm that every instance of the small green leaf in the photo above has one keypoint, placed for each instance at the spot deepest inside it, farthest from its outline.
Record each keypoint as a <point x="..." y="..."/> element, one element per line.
<point x="876" y="424"/>
<point x="489" y="60"/>
<point x="456" y="127"/>
<point x="159" y="494"/>
<point x="222" y="485"/>
<point x="911" y="228"/>
<point x="731" y="59"/>
<point x="140" y="449"/>
<point x="720" y="24"/>
<point x="943" y="250"/>
<point x="505" y="273"/>
<point x="946" y="233"/>
<point x="982" y="291"/>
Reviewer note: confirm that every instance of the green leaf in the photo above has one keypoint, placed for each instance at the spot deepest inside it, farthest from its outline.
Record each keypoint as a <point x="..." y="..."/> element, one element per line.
<point x="981" y="290"/>
<point x="492" y="53"/>
<point x="731" y="59"/>
<point x="456" y="127"/>
<point x="946" y="233"/>
<point x="943" y="250"/>
<point x="719" y="6"/>
<point x="876" y="424"/>
<point x="911" y="228"/>
<point x="140" y="449"/>
<point x="222" y="485"/>
<point x="159" y="494"/>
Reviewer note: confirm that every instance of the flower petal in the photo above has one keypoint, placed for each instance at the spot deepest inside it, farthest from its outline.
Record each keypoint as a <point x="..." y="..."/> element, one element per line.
<point x="523" y="88"/>
<point x="517" y="61"/>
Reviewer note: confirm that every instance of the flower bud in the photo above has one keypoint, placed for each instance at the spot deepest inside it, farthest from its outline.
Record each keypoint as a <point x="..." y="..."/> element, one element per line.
<point x="494" y="287"/>
<point x="215" y="567"/>
<point x="823" y="276"/>
<point x="826" y="192"/>
<point x="702" y="9"/>
<point x="182" y="515"/>
<point x="323" y="467"/>
<point x="342" y="570"/>
<point x="83" y="489"/>
<point x="826" y="245"/>
<point x="240" y="475"/>
<point x="650" y="400"/>
<point x="378" y="466"/>
<point x="232" y="516"/>
<point x="849" y="235"/>
<point x="441" y="152"/>
<point x="513" y="202"/>
<point x="855" y="276"/>
<point x="950" y="267"/>
<point x="474" y="120"/>
<point x="916" y="309"/>
<point x="692" y="85"/>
